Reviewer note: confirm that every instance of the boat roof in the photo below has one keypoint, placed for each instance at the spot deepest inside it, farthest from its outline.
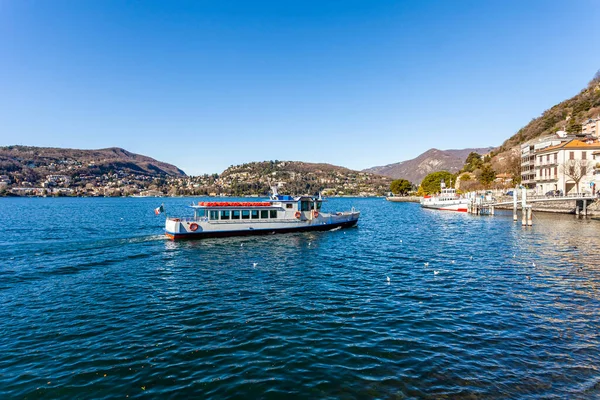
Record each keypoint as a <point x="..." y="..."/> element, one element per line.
<point x="274" y="202"/>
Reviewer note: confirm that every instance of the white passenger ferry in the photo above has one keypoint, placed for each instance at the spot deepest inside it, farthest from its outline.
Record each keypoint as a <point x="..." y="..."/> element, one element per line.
<point x="281" y="214"/>
<point x="447" y="200"/>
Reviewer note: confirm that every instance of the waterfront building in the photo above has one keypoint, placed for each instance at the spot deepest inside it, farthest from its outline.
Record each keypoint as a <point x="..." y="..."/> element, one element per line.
<point x="591" y="127"/>
<point x="528" y="156"/>
<point x="558" y="167"/>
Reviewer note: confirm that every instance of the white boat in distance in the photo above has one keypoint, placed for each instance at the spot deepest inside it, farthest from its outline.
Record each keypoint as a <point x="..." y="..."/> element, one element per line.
<point x="447" y="200"/>
<point x="280" y="214"/>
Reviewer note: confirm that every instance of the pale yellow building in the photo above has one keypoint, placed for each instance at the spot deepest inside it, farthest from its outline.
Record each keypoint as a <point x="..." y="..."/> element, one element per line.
<point x="591" y="127"/>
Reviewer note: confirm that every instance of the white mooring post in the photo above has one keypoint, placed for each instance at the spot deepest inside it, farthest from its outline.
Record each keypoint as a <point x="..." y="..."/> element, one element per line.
<point x="515" y="195"/>
<point x="524" y="206"/>
<point x="530" y="215"/>
<point x="585" y="208"/>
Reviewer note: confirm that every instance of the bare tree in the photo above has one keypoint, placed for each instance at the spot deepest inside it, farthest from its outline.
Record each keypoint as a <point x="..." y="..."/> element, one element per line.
<point x="576" y="170"/>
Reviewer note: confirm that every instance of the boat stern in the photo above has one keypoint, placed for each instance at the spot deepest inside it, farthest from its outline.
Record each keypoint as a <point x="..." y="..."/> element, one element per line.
<point x="176" y="228"/>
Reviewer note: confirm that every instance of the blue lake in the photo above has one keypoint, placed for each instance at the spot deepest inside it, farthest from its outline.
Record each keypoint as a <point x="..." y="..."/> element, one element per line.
<point x="95" y="303"/>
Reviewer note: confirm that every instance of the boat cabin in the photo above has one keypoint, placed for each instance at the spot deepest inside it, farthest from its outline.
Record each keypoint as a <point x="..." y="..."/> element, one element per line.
<point x="279" y="207"/>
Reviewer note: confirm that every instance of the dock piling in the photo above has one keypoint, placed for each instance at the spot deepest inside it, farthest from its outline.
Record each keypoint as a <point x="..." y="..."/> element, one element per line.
<point x="515" y="194"/>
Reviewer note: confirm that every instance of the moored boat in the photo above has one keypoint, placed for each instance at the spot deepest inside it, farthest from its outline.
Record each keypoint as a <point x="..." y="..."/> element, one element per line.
<point x="447" y="200"/>
<point x="280" y="214"/>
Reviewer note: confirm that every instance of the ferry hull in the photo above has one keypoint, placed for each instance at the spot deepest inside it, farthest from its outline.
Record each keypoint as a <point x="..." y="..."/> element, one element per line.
<point x="268" y="231"/>
<point x="449" y="207"/>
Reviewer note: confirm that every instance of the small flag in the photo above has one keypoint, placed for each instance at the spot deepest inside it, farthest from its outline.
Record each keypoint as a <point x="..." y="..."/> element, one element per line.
<point x="159" y="210"/>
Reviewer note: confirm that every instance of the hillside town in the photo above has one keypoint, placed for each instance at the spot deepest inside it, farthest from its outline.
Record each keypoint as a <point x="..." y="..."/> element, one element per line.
<point x="245" y="180"/>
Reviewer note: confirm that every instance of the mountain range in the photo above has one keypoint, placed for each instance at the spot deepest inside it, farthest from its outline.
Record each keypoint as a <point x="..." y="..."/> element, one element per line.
<point x="431" y="161"/>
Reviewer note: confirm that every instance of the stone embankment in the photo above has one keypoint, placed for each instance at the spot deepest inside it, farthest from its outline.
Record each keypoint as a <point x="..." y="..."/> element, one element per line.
<point x="404" y="199"/>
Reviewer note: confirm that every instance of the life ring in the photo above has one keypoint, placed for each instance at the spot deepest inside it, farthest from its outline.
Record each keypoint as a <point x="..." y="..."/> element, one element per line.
<point x="193" y="227"/>
<point x="315" y="213"/>
<point x="297" y="214"/>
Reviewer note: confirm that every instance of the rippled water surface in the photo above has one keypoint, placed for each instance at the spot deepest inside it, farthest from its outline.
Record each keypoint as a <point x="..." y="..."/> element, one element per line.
<point x="97" y="304"/>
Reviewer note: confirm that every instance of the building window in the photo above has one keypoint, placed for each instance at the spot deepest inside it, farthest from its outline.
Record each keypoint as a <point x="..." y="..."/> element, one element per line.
<point x="264" y="213"/>
<point x="555" y="171"/>
<point x="214" y="215"/>
<point x="273" y="213"/>
<point x="235" y="214"/>
<point x="571" y="155"/>
<point x="225" y="214"/>
<point x="555" y="157"/>
<point x="245" y="214"/>
<point x="254" y="214"/>
<point x="583" y="155"/>
<point x="547" y="157"/>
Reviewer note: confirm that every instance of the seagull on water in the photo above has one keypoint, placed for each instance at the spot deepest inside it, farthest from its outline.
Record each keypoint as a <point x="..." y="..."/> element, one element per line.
<point x="452" y="261"/>
<point x="388" y="279"/>
<point x="427" y="264"/>
<point x="436" y="272"/>
<point x="254" y="264"/>
<point x="533" y="264"/>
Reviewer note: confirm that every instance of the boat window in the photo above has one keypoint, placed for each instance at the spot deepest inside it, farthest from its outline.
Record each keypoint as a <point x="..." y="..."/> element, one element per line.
<point x="235" y="214"/>
<point x="305" y="205"/>
<point x="254" y="214"/>
<point x="264" y="213"/>
<point x="289" y="205"/>
<point x="319" y="204"/>
<point x="245" y="214"/>
<point x="201" y="212"/>
<point x="214" y="214"/>
<point x="225" y="214"/>
<point x="273" y="213"/>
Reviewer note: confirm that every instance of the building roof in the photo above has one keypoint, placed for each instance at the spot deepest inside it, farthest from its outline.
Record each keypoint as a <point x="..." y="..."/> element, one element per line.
<point x="573" y="144"/>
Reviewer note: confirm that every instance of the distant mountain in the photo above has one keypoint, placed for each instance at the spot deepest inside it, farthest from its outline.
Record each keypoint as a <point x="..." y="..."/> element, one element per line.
<point x="297" y="177"/>
<point x="432" y="160"/>
<point x="37" y="162"/>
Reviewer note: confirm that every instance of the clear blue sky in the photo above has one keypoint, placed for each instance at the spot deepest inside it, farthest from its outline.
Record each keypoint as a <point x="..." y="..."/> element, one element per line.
<point x="208" y="84"/>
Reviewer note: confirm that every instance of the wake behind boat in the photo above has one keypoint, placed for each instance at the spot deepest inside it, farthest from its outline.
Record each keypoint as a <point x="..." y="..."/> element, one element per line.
<point x="280" y="214"/>
<point x="447" y="200"/>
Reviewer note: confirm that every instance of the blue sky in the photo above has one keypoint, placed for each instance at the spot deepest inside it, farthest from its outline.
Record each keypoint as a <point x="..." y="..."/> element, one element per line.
<point x="208" y="84"/>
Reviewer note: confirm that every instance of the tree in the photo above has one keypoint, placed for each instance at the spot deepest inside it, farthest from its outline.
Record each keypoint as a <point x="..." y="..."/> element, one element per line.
<point x="487" y="175"/>
<point x="431" y="183"/>
<point x="595" y="79"/>
<point x="514" y="167"/>
<point x="472" y="162"/>
<point x="573" y="127"/>
<point x="576" y="170"/>
<point x="401" y="186"/>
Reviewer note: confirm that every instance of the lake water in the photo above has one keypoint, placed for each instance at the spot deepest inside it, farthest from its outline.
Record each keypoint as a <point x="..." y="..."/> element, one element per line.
<point x="95" y="303"/>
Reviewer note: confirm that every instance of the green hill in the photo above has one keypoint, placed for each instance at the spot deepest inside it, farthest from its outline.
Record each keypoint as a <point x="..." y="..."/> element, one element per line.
<point x="297" y="177"/>
<point x="567" y="115"/>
